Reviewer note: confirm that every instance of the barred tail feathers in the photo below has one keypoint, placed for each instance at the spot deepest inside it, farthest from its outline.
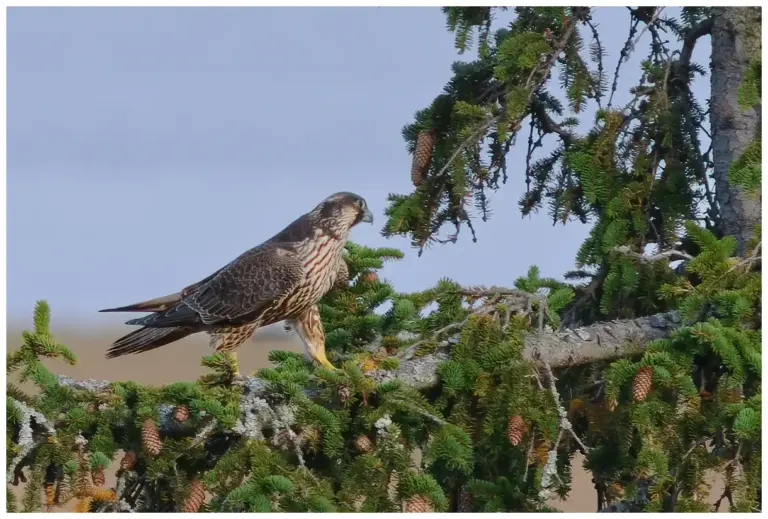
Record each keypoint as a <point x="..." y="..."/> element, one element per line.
<point x="145" y="339"/>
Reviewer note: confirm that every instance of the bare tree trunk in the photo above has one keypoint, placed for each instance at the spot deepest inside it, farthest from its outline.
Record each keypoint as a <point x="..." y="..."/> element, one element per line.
<point x="736" y="41"/>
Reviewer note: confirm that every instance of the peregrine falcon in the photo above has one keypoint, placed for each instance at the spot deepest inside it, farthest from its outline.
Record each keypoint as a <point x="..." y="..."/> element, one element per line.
<point x="281" y="279"/>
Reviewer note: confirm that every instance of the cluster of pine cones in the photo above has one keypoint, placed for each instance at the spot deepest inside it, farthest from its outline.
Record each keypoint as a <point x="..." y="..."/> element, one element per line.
<point x="152" y="444"/>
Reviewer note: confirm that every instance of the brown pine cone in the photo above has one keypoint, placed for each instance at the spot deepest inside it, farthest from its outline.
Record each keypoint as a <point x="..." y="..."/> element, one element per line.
<point x="195" y="496"/>
<point x="641" y="385"/>
<point x="515" y="429"/>
<point x="417" y="505"/>
<point x="97" y="476"/>
<point x="342" y="275"/>
<point x="150" y="438"/>
<point x="465" y="500"/>
<point x="363" y="444"/>
<point x="422" y="154"/>
<point x="344" y="394"/>
<point x="128" y="461"/>
<point x="50" y="496"/>
<point x="181" y="413"/>
<point x="370" y="277"/>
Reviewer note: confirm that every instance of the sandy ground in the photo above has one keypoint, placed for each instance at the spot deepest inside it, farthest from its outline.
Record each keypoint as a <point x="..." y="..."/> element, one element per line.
<point x="181" y="361"/>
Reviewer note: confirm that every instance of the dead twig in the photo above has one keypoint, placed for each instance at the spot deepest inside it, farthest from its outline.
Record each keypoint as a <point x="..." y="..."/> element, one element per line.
<point x="671" y="255"/>
<point x="565" y="424"/>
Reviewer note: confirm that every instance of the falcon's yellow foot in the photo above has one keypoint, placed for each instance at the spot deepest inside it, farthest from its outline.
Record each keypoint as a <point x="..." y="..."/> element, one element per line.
<point x="323" y="361"/>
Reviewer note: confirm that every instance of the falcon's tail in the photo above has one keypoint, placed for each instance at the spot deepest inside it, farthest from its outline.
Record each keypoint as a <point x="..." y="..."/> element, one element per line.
<point x="153" y="305"/>
<point x="145" y="339"/>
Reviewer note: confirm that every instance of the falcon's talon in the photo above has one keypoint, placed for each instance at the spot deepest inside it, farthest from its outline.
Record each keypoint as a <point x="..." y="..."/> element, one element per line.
<point x="283" y="278"/>
<point x="324" y="362"/>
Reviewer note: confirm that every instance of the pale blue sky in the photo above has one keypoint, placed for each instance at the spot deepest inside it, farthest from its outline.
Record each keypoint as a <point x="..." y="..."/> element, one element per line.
<point x="147" y="147"/>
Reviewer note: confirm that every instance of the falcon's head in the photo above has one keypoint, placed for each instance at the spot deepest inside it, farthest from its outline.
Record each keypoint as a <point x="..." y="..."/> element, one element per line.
<point x="345" y="209"/>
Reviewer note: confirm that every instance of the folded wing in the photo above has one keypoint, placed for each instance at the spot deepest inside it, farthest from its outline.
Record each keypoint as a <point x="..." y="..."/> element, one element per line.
<point x="241" y="291"/>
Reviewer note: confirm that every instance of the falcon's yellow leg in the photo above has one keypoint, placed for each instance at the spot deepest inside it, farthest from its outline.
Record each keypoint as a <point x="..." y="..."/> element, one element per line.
<point x="310" y="329"/>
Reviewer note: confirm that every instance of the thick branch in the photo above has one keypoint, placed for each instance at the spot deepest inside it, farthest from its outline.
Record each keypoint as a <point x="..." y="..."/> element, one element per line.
<point x="598" y="342"/>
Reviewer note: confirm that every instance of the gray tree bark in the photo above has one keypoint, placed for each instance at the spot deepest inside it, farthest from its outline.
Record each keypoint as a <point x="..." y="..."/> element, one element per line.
<point x="736" y="41"/>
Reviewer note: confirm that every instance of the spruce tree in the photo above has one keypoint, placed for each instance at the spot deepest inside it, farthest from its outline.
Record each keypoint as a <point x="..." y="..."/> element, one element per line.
<point x="651" y="371"/>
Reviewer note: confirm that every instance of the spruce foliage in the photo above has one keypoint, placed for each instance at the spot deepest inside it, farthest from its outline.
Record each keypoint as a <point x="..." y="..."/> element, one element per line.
<point x="491" y="429"/>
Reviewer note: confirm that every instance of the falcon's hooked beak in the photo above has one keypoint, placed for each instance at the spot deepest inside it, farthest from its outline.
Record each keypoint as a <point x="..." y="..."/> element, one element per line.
<point x="367" y="216"/>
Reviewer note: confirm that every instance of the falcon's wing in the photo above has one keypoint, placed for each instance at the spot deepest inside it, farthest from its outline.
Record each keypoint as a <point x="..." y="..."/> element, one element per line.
<point x="253" y="281"/>
<point x="160" y="304"/>
<point x="245" y="287"/>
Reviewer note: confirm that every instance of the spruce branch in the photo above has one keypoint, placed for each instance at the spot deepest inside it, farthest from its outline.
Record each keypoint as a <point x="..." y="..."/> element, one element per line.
<point x="648" y="25"/>
<point x="536" y="78"/>
<point x="623" y="55"/>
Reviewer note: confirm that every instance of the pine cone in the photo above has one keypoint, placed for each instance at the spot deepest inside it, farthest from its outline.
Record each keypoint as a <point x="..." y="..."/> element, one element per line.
<point x="641" y="385"/>
<point x="465" y="501"/>
<point x="344" y="394"/>
<point x="610" y="403"/>
<point x="417" y="505"/>
<point x="195" y="496"/>
<point x="150" y="438"/>
<point x="181" y="413"/>
<point x="422" y="154"/>
<point x="370" y="277"/>
<point x="515" y="429"/>
<point x="50" y="496"/>
<point x="342" y="276"/>
<point x="363" y="444"/>
<point x="128" y="461"/>
<point x="97" y="476"/>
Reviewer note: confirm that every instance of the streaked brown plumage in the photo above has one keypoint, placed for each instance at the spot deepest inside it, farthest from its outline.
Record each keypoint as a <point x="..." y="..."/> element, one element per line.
<point x="283" y="278"/>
